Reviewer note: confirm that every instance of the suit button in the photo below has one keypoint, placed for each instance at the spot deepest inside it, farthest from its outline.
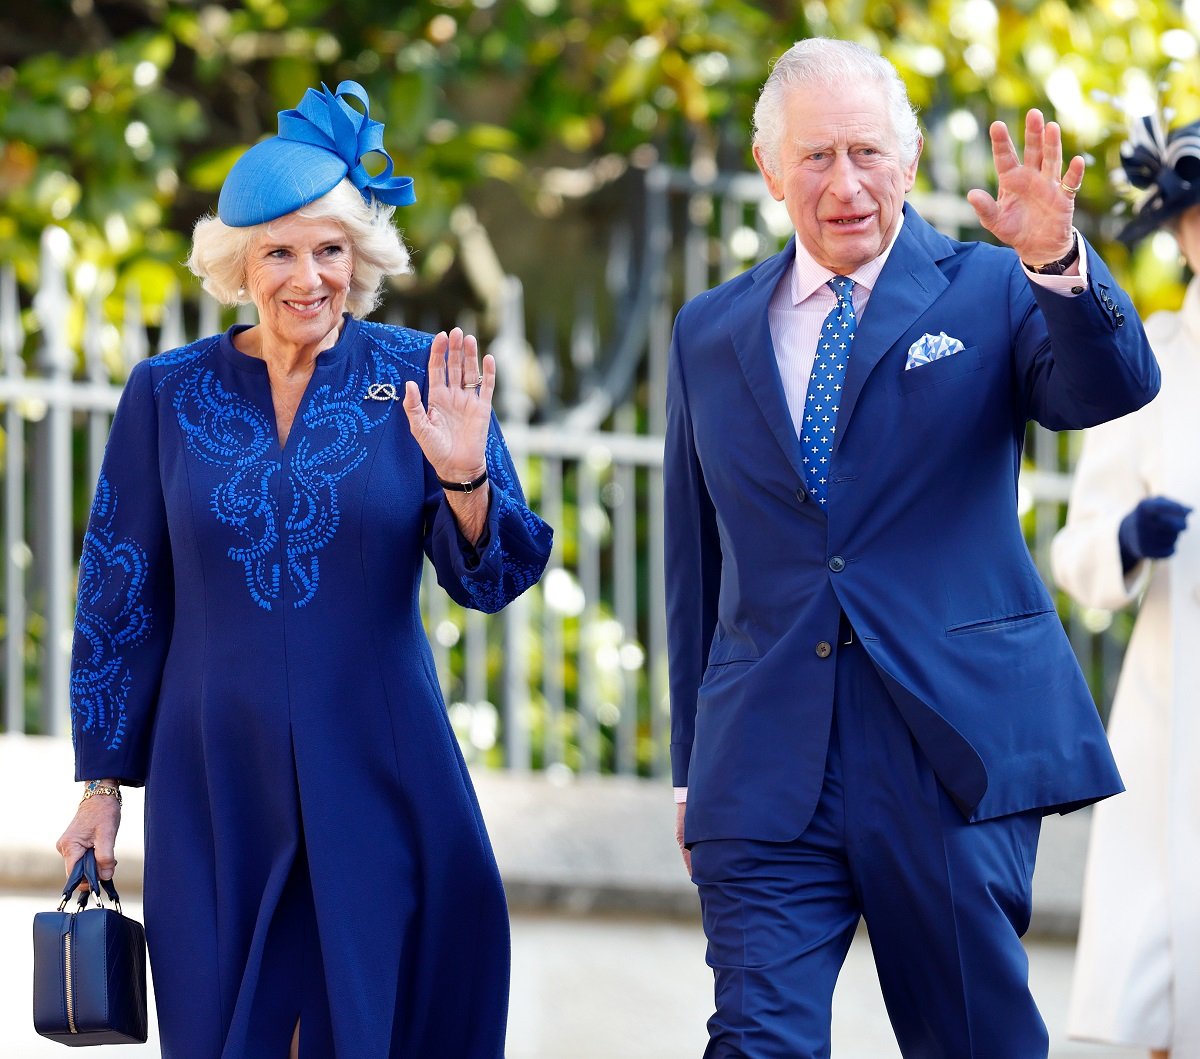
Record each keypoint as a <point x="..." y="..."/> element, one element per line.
<point x="823" y="649"/>
<point x="837" y="564"/>
<point x="801" y="495"/>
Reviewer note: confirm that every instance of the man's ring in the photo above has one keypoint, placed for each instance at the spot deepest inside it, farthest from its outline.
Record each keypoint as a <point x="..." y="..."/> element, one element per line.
<point x="1068" y="189"/>
<point x="473" y="385"/>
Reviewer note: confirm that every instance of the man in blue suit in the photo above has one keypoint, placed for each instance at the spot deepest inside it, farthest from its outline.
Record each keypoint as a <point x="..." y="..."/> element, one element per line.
<point x="873" y="700"/>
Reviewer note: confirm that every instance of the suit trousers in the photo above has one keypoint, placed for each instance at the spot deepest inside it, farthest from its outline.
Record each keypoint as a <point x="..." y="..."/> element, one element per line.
<point x="945" y="903"/>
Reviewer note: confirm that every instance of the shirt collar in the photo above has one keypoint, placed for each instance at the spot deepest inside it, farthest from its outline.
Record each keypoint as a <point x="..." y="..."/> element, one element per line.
<point x="808" y="277"/>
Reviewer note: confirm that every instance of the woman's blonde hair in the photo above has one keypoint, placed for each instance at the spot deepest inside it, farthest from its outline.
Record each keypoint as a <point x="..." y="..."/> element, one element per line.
<point x="219" y="251"/>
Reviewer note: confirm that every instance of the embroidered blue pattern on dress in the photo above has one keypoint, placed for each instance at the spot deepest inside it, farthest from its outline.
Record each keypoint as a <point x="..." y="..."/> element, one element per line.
<point x="224" y="429"/>
<point x="110" y="618"/>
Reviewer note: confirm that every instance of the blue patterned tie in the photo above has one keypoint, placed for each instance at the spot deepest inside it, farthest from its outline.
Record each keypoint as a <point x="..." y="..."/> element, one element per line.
<point x="825" y="388"/>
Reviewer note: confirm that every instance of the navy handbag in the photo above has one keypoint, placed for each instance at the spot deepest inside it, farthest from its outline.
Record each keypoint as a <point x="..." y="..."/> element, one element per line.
<point x="89" y="968"/>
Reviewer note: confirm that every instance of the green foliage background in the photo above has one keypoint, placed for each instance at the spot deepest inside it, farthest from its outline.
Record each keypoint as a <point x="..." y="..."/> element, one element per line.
<point x="119" y="118"/>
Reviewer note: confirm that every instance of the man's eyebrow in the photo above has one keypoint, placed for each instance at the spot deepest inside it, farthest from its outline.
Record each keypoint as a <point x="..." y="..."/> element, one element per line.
<point x="830" y="145"/>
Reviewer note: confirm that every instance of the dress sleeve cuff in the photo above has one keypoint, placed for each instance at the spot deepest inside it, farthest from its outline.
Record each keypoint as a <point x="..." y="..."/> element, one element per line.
<point x="508" y="558"/>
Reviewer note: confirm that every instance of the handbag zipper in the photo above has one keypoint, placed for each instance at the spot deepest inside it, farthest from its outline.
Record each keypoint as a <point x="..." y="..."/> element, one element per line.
<point x="69" y="988"/>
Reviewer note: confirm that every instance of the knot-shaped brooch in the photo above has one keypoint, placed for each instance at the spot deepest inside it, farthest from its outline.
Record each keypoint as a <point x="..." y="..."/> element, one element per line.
<point x="381" y="391"/>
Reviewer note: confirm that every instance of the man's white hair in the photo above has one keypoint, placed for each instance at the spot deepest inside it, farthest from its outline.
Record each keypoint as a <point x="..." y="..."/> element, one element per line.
<point x="827" y="62"/>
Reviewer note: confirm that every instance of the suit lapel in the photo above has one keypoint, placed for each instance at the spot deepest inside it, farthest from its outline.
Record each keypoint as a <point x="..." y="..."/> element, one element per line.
<point x="750" y="332"/>
<point x="907" y="286"/>
<point x="909" y="283"/>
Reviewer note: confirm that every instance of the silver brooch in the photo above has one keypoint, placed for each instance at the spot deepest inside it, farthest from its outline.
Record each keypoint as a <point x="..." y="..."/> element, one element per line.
<point x="381" y="391"/>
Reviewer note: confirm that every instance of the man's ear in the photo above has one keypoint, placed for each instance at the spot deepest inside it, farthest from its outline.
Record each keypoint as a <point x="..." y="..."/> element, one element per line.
<point x="910" y="173"/>
<point x="774" y="186"/>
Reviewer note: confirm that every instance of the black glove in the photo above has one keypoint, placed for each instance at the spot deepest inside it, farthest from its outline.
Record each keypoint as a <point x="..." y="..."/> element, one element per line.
<point x="1150" y="529"/>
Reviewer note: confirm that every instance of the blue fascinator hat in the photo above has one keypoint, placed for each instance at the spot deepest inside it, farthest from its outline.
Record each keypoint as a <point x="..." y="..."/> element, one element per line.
<point x="321" y="141"/>
<point x="1165" y="168"/>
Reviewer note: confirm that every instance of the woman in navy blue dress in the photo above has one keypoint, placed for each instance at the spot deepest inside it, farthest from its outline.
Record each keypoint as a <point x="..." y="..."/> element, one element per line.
<point x="248" y="643"/>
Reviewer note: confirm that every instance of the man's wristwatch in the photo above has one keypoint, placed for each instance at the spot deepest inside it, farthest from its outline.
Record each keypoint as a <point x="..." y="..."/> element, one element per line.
<point x="1057" y="268"/>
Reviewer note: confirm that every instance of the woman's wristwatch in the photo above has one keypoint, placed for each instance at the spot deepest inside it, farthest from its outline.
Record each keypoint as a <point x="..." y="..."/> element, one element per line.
<point x="464" y="487"/>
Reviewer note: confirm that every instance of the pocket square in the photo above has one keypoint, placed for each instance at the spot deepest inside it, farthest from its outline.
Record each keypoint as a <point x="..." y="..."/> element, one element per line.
<point x="929" y="348"/>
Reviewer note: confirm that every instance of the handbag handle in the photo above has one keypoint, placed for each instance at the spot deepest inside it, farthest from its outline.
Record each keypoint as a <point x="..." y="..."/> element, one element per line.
<point x="85" y="869"/>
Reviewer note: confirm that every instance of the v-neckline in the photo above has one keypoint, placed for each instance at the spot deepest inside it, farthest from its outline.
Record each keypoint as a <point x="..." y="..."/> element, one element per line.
<point x="257" y="366"/>
<point x="296" y="412"/>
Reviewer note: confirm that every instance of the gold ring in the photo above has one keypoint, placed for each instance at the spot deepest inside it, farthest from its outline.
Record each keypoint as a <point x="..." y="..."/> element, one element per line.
<point x="473" y="385"/>
<point x="1068" y="189"/>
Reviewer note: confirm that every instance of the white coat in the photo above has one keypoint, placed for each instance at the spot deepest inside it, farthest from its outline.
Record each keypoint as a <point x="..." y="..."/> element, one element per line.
<point x="1137" y="972"/>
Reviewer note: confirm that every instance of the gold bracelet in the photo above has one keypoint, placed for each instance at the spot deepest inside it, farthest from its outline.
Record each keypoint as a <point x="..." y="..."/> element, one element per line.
<point x="96" y="787"/>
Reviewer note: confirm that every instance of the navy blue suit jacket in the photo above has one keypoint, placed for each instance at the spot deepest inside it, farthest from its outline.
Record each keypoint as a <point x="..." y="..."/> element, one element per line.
<point x="920" y="542"/>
